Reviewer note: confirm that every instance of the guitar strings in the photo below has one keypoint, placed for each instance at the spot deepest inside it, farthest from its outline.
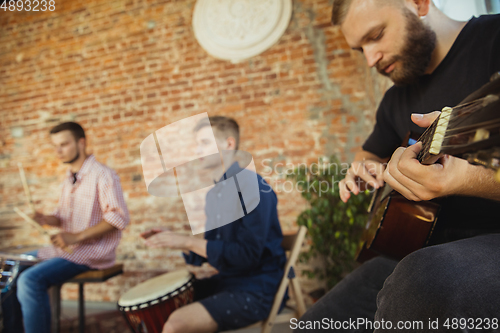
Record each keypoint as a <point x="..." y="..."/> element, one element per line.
<point x="460" y="114"/>
<point x="480" y="100"/>
<point x="453" y="118"/>
<point x="472" y="128"/>
<point x="426" y="140"/>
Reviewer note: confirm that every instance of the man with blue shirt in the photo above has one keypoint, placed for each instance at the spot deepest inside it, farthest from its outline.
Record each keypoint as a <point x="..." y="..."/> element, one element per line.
<point x="245" y="255"/>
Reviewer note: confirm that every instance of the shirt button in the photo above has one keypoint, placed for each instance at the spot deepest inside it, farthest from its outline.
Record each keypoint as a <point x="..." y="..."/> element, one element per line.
<point x="218" y="216"/>
<point x="219" y="195"/>
<point x="218" y="236"/>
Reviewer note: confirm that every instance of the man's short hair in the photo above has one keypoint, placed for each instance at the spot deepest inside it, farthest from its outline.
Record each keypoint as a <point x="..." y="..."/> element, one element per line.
<point x="224" y="125"/>
<point x="74" y="128"/>
<point x="339" y="11"/>
<point x="341" y="7"/>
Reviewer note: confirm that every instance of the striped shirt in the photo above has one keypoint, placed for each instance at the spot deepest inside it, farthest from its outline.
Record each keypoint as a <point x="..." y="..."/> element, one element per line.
<point x="95" y="196"/>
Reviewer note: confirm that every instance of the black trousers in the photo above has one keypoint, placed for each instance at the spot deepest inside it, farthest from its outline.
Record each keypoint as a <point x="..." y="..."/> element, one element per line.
<point x="452" y="287"/>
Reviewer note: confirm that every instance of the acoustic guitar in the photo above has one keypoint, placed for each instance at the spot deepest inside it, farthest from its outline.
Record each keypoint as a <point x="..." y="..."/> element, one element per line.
<point x="470" y="130"/>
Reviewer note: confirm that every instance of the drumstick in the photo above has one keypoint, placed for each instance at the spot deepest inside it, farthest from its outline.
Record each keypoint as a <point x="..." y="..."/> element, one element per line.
<point x="38" y="226"/>
<point x="31" y="221"/>
<point x="25" y="185"/>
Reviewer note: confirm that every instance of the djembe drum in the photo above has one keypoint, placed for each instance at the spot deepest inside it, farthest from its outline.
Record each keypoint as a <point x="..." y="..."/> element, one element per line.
<point x="148" y="305"/>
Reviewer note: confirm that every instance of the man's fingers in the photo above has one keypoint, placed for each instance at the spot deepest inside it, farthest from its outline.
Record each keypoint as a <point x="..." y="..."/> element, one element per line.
<point x="400" y="169"/>
<point x="389" y="179"/>
<point x="151" y="240"/>
<point x="147" y="234"/>
<point x="369" y="172"/>
<point x="350" y="183"/>
<point x="425" y="120"/>
<point x="377" y="171"/>
<point x="404" y="163"/>
<point x="158" y="239"/>
<point x="368" y="179"/>
<point x="149" y="243"/>
<point x="153" y="244"/>
<point x="39" y="218"/>
<point x="154" y="231"/>
<point x="57" y="240"/>
<point x="344" y="192"/>
<point x="413" y="150"/>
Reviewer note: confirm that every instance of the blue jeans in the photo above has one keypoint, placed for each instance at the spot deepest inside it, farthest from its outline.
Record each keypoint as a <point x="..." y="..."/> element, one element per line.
<point x="32" y="286"/>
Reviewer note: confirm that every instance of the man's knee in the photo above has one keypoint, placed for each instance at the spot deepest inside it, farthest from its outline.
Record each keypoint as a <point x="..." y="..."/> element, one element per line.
<point x="28" y="283"/>
<point x="25" y="283"/>
<point x="426" y="278"/>
<point x="420" y="272"/>
<point x="441" y="282"/>
<point x="435" y="269"/>
<point x="176" y="323"/>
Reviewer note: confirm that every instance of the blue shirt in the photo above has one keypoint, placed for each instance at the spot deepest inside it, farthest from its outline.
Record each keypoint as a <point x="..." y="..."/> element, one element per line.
<point x="247" y="252"/>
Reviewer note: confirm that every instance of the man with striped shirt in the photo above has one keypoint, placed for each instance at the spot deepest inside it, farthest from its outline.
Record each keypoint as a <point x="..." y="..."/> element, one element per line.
<point x="91" y="214"/>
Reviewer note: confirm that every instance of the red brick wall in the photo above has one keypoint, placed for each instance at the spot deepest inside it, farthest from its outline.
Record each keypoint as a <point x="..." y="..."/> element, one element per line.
<point x="124" y="68"/>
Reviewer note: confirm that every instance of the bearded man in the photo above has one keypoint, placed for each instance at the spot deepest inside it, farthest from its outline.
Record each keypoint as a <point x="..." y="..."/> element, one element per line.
<point x="434" y="62"/>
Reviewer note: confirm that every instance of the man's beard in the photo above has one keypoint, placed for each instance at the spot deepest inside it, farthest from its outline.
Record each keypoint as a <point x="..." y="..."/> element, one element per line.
<point x="416" y="54"/>
<point x="74" y="158"/>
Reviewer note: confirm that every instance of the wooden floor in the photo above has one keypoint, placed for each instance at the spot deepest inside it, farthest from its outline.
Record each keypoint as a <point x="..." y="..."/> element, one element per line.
<point x="103" y="317"/>
<point x="100" y="318"/>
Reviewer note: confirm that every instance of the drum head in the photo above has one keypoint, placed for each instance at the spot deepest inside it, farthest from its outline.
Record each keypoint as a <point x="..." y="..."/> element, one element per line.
<point x="23" y="259"/>
<point x="155" y="288"/>
<point x="17" y="253"/>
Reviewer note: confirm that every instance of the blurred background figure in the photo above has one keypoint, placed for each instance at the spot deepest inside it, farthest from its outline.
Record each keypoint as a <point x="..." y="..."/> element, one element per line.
<point x="246" y="256"/>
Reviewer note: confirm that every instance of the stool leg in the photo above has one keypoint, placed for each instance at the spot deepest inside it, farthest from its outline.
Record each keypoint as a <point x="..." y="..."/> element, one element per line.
<point x="81" y="309"/>
<point x="55" y="307"/>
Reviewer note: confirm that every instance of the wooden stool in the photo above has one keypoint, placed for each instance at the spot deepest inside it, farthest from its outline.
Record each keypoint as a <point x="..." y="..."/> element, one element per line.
<point x="91" y="276"/>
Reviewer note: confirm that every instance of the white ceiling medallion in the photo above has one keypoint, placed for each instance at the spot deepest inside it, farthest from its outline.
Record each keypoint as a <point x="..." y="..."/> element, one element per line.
<point x="236" y="30"/>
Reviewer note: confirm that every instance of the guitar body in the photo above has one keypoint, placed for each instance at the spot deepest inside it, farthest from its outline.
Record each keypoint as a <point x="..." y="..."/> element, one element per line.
<point x="396" y="226"/>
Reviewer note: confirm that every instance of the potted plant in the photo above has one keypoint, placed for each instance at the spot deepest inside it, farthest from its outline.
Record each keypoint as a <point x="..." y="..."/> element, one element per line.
<point x="334" y="227"/>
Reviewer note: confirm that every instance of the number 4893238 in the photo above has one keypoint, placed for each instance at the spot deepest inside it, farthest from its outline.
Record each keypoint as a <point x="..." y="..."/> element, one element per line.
<point x="28" y="5"/>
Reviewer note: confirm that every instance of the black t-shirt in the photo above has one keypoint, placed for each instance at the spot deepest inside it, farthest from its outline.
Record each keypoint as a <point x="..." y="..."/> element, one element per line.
<point x="473" y="58"/>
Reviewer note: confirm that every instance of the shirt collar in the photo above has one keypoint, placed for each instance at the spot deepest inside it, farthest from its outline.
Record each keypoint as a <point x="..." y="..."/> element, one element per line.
<point x="233" y="170"/>
<point x="86" y="167"/>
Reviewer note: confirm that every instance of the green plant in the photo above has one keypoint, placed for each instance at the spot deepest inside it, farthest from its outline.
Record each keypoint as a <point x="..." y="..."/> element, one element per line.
<point x="334" y="227"/>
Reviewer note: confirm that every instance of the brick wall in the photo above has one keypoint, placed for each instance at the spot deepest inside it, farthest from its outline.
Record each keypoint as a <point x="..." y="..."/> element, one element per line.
<point x="124" y="68"/>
